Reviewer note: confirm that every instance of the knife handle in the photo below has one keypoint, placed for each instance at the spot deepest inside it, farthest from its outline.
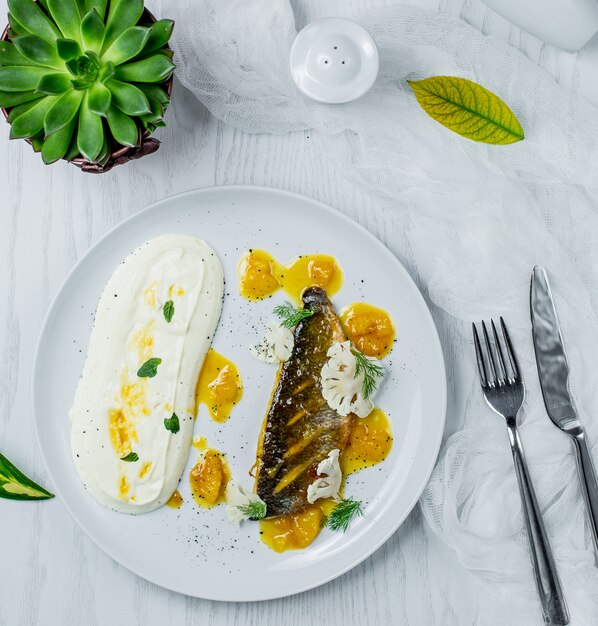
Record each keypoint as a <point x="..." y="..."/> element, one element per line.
<point x="553" y="602"/>
<point x="589" y="483"/>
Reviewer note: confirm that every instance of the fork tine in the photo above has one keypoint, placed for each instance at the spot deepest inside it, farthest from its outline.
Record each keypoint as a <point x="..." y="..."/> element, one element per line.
<point x="503" y="374"/>
<point x="493" y="382"/>
<point x="510" y="351"/>
<point x="479" y="357"/>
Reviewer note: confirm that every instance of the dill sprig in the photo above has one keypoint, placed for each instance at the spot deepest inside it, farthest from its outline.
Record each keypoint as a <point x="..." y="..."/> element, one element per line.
<point x="343" y="513"/>
<point x="291" y="315"/>
<point x="371" y="370"/>
<point x="254" y="510"/>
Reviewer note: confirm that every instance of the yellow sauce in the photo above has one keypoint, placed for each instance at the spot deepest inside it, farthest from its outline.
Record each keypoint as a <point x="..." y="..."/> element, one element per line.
<point x="143" y="341"/>
<point x="292" y="532"/>
<point x="200" y="443"/>
<point x="208" y="478"/>
<point x="370" y="442"/>
<point x="261" y="275"/>
<point x="369" y="328"/>
<point x="122" y="432"/>
<point x="176" y="500"/>
<point x="123" y="488"/>
<point x="146" y="466"/>
<point x="219" y="386"/>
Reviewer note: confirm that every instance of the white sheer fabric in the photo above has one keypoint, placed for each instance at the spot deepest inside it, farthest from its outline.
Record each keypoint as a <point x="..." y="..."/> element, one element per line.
<point x="477" y="218"/>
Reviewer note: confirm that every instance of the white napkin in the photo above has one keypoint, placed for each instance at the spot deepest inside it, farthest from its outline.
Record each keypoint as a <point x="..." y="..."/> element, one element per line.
<point x="474" y="219"/>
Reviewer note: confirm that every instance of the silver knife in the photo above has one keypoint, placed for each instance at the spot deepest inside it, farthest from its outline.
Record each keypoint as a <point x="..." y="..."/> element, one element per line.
<point x="553" y="370"/>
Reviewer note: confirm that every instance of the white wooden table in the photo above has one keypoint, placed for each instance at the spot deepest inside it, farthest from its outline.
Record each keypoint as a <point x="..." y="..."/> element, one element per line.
<point x="51" y="574"/>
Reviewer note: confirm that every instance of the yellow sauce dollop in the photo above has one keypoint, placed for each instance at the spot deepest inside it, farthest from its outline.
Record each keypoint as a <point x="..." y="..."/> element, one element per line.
<point x="369" y="328"/>
<point x="219" y="386"/>
<point x="176" y="500"/>
<point x="261" y="275"/>
<point x="292" y="532"/>
<point x="208" y="478"/>
<point x="370" y="442"/>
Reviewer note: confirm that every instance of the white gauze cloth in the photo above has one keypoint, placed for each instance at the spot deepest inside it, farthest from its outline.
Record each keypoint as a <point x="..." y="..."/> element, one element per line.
<point x="471" y="222"/>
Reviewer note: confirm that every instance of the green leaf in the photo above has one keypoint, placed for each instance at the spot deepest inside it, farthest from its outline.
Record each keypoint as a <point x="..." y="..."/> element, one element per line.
<point x="17" y="97"/>
<point x="32" y="19"/>
<point x="154" y="91"/>
<point x="90" y="135"/>
<point x="168" y="310"/>
<point x="67" y="17"/>
<point x="56" y="145"/>
<point x="106" y="72"/>
<point x="37" y="142"/>
<point x="172" y="424"/>
<point x="39" y="51"/>
<point x="68" y="49"/>
<point x="132" y="457"/>
<point x="10" y="56"/>
<point x="127" y="45"/>
<point x="156" y="114"/>
<point x="31" y="122"/>
<point x="104" y="154"/>
<point x="22" y="78"/>
<point x="54" y="83"/>
<point x="467" y="109"/>
<point x="63" y="111"/>
<point x="160" y="33"/>
<point x="14" y="485"/>
<point x="122" y="15"/>
<point x="19" y="110"/>
<point x="98" y="5"/>
<point x="93" y="31"/>
<point x="149" y="369"/>
<point x="127" y="98"/>
<point x="73" y="151"/>
<point x="154" y="69"/>
<point x="99" y="99"/>
<point x="123" y="128"/>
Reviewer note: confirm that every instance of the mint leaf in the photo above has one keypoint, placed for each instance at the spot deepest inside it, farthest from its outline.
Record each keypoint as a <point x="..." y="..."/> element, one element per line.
<point x="172" y="424"/>
<point x="149" y="369"/>
<point x="131" y="457"/>
<point x="168" y="310"/>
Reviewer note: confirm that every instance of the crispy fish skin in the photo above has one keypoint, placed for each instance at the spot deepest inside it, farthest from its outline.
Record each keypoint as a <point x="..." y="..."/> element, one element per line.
<point x="300" y="428"/>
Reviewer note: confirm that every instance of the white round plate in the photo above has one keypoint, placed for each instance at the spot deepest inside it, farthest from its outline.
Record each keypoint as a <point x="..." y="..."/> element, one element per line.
<point x="197" y="551"/>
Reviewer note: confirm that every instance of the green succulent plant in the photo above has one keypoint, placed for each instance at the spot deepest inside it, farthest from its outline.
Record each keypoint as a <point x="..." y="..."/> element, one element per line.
<point x="83" y="77"/>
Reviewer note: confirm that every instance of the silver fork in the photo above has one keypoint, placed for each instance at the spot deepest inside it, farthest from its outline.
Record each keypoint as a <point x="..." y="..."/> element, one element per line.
<point x="504" y="392"/>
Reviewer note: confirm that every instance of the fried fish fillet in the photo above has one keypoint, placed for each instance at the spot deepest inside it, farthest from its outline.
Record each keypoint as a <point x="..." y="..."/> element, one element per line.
<point x="300" y="428"/>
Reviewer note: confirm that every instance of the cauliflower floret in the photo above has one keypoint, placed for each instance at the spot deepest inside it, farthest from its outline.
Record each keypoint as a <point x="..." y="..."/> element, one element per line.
<point x="237" y="500"/>
<point x="341" y="387"/>
<point x="276" y="346"/>
<point x="329" y="483"/>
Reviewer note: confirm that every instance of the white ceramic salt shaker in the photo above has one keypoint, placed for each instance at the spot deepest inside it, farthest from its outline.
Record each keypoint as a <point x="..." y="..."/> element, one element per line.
<point x="334" y="60"/>
<point x="566" y="24"/>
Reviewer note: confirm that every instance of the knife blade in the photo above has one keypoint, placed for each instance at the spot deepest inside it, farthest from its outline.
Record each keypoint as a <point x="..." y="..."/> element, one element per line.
<point x="553" y="367"/>
<point x="553" y="371"/>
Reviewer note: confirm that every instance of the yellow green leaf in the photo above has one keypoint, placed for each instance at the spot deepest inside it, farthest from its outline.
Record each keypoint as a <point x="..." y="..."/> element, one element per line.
<point x="16" y="486"/>
<point x="467" y="109"/>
